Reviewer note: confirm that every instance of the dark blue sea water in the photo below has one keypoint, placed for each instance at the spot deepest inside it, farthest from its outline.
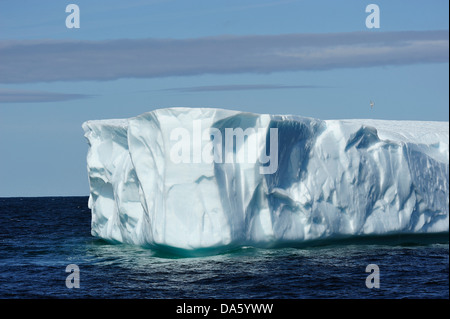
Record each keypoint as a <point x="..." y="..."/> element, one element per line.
<point x="39" y="237"/>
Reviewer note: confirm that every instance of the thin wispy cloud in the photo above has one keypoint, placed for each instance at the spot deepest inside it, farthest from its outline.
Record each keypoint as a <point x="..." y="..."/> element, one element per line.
<point x="25" y="96"/>
<point x="242" y="87"/>
<point x="46" y="60"/>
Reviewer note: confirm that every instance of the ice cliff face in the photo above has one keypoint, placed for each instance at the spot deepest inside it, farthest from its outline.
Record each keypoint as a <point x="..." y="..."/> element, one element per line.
<point x="189" y="178"/>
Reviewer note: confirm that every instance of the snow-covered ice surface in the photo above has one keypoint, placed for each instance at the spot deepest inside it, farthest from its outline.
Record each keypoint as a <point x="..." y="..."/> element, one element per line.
<point x="334" y="179"/>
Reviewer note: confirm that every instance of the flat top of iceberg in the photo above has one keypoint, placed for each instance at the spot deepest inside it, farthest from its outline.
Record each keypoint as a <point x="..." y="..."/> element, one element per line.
<point x="427" y="132"/>
<point x="435" y="133"/>
<point x="111" y="122"/>
<point x="386" y="125"/>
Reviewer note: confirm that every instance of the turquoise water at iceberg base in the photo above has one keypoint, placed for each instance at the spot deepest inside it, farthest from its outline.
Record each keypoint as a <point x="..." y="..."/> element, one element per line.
<point x="39" y="237"/>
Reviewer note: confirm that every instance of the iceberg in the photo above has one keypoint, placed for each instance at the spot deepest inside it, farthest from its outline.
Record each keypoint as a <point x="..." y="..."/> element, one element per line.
<point x="202" y="178"/>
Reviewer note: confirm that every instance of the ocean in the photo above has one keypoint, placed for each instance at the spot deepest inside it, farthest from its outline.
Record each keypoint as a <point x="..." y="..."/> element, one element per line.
<point x="41" y="237"/>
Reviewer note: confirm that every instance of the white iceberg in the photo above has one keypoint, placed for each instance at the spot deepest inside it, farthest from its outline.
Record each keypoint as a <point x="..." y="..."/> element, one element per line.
<point x="329" y="179"/>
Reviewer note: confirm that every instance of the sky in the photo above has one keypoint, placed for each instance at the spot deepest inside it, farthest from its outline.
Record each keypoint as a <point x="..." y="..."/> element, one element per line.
<point x="310" y="58"/>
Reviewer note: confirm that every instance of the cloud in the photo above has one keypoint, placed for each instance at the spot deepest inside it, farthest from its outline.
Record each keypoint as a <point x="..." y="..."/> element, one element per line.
<point x="53" y="60"/>
<point x="241" y="87"/>
<point x="24" y="96"/>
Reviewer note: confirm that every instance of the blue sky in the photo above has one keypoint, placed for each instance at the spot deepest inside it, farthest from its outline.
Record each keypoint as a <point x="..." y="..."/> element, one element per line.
<point x="310" y="58"/>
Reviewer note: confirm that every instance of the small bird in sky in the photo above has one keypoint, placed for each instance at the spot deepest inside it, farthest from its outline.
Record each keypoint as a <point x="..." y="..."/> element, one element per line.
<point x="371" y="104"/>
